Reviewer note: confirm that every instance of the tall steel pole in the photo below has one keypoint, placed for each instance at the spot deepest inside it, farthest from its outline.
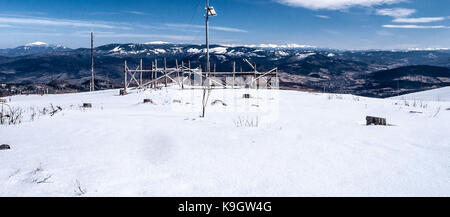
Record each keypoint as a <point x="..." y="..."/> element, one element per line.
<point x="208" y="69"/>
<point x="92" y="86"/>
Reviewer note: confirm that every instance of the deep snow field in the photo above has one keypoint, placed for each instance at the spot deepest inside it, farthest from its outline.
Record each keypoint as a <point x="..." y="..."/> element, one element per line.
<point x="277" y="143"/>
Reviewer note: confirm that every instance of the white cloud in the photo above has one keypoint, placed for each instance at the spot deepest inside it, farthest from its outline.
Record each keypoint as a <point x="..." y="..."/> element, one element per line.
<point x="218" y="28"/>
<point x="414" y="27"/>
<point x="418" y="20"/>
<point x="323" y="16"/>
<point x="396" y="12"/>
<point x="335" y="4"/>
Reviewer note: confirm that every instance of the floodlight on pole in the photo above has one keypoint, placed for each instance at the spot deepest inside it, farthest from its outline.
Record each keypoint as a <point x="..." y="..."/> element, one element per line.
<point x="211" y="12"/>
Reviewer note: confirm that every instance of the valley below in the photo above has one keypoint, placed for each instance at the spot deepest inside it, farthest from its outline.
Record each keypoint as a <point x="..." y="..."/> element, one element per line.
<point x="366" y="73"/>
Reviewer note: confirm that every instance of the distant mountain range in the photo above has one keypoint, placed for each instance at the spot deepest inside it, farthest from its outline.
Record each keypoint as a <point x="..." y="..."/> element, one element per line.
<point x="32" y="48"/>
<point x="368" y="73"/>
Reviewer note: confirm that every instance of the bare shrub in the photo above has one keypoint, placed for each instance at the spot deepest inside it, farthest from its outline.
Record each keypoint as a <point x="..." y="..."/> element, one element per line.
<point x="33" y="113"/>
<point x="217" y="101"/>
<point x="10" y="115"/>
<point x="44" y="180"/>
<point x="54" y="110"/>
<point x="39" y="176"/>
<point x="437" y="112"/>
<point x="79" y="189"/>
<point x="406" y="103"/>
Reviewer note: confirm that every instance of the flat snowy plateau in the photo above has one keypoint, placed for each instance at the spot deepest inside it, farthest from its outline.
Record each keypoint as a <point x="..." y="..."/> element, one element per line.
<point x="277" y="143"/>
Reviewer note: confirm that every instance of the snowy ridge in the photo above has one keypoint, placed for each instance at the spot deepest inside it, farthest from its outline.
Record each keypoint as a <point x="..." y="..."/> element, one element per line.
<point x="440" y="94"/>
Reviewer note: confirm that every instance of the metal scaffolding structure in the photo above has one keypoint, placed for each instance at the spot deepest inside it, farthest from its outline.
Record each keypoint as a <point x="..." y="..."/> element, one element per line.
<point x="187" y="77"/>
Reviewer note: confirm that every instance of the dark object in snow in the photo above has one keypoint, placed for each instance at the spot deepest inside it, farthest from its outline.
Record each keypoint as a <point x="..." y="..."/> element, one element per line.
<point x="415" y="112"/>
<point x="246" y="96"/>
<point x="218" y="101"/>
<point x="5" y="147"/>
<point x="375" y="121"/>
<point x="123" y="92"/>
<point x="176" y="101"/>
<point x="448" y="109"/>
<point x="2" y="100"/>
<point x="87" y="105"/>
<point x="148" y="101"/>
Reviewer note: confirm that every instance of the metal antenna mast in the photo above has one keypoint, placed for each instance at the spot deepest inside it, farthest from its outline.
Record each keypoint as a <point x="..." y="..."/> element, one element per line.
<point x="210" y="12"/>
<point x="207" y="35"/>
<point x="92" y="84"/>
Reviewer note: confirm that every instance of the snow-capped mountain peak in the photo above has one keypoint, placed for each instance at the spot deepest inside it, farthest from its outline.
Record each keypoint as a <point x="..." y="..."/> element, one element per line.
<point x="157" y="42"/>
<point x="37" y="43"/>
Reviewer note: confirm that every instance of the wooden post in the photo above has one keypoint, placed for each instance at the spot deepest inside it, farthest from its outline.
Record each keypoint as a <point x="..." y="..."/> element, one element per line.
<point x="189" y="65"/>
<point x="156" y="72"/>
<point x="125" y="77"/>
<point x="182" y="74"/>
<point x="140" y="76"/>
<point x="257" y="80"/>
<point x="178" y="72"/>
<point x="234" y="73"/>
<point x="151" y="74"/>
<point x="277" y="79"/>
<point x="165" y="72"/>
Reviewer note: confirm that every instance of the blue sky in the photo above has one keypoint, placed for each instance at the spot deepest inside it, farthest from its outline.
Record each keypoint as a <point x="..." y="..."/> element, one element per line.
<point x="342" y="24"/>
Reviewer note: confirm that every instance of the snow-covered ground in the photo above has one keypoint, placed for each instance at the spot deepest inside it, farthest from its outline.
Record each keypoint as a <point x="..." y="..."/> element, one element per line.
<point x="441" y="94"/>
<point x="278" y="143"/>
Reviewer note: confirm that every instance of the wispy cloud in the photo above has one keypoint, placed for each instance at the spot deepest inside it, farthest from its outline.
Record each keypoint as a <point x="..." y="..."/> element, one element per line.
<point x="414" y="27"/>
<point x="149" y="36"/>
<point x="136" y="12"/>
<point x="395" y="12"/>
<point x="218" y="28"/>
<point x="38" y="34"/>
<point x="323" y="16"/>
<point x="104" y="13"/>
<point x="105" y="34"/>
<point x="55" y="22"/>
<point x="335" y="4"/>
<point x="418" y="20"/>
<point x="401" y="15"/>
